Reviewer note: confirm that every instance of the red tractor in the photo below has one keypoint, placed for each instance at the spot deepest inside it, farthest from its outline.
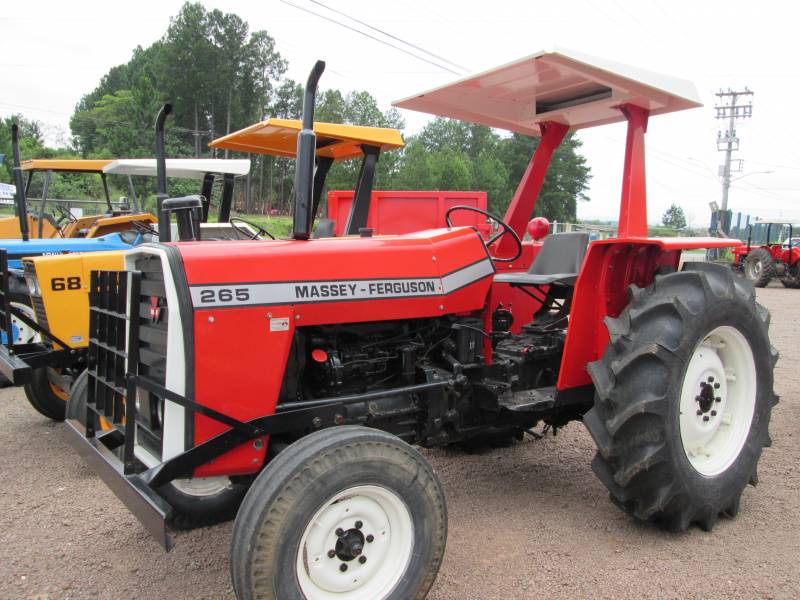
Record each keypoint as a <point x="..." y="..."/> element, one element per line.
<point x="288" y="380"/>
<point x="772" y="251"/>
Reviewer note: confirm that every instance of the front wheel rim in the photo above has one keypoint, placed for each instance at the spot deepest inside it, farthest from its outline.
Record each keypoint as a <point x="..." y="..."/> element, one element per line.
<point x="718" y="399"/>
<point x="356" y="546"/>
<point x="201" y="487"/>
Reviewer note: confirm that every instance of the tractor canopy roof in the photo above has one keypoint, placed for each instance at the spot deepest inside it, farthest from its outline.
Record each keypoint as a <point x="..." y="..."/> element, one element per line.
<point x="183" y="168"/>
<point x="560" y="86"/>
<point x="793" y="222"/>
<point x="65" y="165"/>
<point x="338" y="142"/>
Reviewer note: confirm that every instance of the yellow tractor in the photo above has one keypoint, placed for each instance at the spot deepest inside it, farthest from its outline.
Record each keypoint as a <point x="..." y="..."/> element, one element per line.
<point x="61" y="221"/>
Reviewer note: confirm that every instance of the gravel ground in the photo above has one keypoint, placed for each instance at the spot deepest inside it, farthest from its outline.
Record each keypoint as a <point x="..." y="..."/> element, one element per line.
<point x="526" y="521"/>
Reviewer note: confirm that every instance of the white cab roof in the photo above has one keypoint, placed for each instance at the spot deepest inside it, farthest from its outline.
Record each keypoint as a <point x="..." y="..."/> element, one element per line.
<point x="184" y="168"/>
<point x="560" y="85"/>
<point x="794" y="222"/>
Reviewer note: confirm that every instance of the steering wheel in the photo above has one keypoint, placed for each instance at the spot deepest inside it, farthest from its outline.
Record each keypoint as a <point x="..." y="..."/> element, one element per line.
<point x="506" y="230"/>
<point x="253" y="236"/>
<point x="64" y="215"/>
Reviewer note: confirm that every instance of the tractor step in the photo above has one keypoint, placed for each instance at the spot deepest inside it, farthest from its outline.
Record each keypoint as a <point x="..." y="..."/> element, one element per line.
<point x="529" y="400"/>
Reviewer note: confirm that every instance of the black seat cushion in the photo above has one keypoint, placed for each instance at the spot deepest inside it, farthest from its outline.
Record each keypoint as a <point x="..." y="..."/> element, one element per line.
<point x="558" y="262"/>
<point x="533" y="279"/>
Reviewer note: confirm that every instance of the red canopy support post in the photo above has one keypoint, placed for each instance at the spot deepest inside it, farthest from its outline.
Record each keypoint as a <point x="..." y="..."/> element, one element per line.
<point x="633" y="207"/>
<point x="522" y="204"/>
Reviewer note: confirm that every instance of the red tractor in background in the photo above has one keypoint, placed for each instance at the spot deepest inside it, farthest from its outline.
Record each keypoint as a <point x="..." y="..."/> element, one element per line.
<point x="772" y="251"/>
<point x="298" y="373"/>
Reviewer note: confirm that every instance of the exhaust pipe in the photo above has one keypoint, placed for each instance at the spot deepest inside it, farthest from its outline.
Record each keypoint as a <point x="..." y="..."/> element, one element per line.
<point x="161" y="175"/>
<point x="304" y="166"/>
<point x="21" y="200"/>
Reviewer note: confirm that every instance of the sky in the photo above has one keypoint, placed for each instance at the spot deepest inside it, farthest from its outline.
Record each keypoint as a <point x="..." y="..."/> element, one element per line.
<point x="51" y="53"/>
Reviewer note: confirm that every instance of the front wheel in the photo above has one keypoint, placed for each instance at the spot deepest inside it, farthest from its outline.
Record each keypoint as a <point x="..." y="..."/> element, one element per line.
<point x="196" y="502"/>
<point x="684" y="394"/>
<point x="347" y="513"/>
<point x="45" y="396"/>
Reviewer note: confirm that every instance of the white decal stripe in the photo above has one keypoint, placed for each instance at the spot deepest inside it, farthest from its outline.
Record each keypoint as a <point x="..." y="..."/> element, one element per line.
<point x="459" y="279"/>
<point x="271" y="294"/>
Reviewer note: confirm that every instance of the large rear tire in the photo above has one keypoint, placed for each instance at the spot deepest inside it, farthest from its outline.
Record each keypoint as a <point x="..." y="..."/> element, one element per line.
<point x="683" y="398"/>
<point x="347" y="513"/>
<point x="759" y="267"/>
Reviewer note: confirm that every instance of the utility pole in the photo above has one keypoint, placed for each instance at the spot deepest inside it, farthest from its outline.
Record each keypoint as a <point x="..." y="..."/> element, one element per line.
<point x="730" y="107"/>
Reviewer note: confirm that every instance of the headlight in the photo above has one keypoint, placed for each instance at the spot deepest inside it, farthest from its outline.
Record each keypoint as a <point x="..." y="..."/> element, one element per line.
<point x="33" y="286"/>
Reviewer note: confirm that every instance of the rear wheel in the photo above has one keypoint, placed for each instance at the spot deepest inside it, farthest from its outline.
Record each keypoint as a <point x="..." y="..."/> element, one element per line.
<point x="758" y="267"/>
<point x="684" y="397"/>
<point x="345" y="513"/>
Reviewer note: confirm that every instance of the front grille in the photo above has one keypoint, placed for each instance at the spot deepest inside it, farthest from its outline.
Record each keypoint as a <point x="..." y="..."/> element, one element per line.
<point x="108" y="329"/>
<point x="153" y="319"/>
<point x="36" y="300"/>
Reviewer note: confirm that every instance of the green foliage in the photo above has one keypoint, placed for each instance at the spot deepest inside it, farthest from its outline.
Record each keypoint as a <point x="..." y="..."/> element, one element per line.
<point x="674" y="217"/>
<point x="454" y="155"/>
<point x="31" y="143"/>
<point x="220" y="77"/>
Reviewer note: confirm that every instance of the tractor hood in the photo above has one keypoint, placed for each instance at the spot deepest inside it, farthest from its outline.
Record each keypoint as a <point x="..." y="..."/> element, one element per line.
<point x="17" y="249"/>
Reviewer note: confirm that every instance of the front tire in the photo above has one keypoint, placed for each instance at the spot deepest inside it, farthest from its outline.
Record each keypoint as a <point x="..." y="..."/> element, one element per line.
<point x="46" y="397"/>
<point x="684" y="394"/>
<point x="759" y="268"/>
<point x="348" y="513"/>
<point x="196" y="502"/>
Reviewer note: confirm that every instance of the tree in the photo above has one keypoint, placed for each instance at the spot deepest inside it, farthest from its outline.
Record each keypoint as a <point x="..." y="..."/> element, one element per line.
<point x="674" y="217"/>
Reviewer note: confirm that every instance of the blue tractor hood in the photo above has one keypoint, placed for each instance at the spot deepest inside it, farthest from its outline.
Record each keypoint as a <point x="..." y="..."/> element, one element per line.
<point x="17" y="249"/>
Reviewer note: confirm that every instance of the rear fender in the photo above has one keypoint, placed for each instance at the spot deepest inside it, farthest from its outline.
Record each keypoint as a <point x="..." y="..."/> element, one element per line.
<point x="601" y="290"/>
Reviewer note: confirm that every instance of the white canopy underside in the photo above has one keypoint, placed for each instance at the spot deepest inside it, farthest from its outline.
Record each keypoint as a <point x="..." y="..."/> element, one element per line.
<point x="183" y="168"/>
<point x="567" y="87"/>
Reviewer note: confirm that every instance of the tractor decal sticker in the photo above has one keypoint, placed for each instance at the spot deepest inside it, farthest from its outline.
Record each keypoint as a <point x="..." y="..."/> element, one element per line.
<point x="301" y="292"/>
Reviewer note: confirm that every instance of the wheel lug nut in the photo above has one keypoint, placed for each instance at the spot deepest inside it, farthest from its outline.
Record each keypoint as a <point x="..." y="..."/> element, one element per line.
<point x="339" y="532"/>
<point x="362" y="559"/>
<point x="716" y="386"/>
<point x="343" y="567"/>
<point x="705" y="418"/>
<point x="370" y="538"/>
<point x="718" y="399"/>
<point x="331" y="553"/>
<point x="710" y="379"/>
<point x="713" y="413"/>
<point x="698" y="398"/>
<point x="699" y="412"/>
<point x="359" y="524"/>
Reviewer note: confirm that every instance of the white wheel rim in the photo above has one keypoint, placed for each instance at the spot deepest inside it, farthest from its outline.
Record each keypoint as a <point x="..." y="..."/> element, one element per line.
<point x="201" y="487"/>
<point x="718" y="400"/>
<point x="383" y="518"/>
<point x="24" y="334"/>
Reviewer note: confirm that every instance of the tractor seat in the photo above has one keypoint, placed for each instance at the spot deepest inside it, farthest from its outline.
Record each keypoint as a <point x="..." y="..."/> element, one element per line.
<point x="558" y="262"/>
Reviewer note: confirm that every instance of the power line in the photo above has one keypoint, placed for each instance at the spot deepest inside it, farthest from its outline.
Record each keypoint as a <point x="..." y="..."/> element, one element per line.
<point x="372" y="37"/>
<point x="387" y="34"/>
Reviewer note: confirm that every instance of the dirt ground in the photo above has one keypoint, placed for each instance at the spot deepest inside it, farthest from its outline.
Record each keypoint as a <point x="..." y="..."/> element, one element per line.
<point x="528" y="521"/>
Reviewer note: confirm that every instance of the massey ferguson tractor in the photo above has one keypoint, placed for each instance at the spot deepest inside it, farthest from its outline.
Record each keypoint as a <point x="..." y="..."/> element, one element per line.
<point x="777" y="256"/>
<point x="288" y="380"/>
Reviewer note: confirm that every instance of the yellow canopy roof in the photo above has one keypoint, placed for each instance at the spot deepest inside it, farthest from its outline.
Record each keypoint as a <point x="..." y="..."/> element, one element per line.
<point x="57" y="164"/>
<point x="279" y="137"/>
